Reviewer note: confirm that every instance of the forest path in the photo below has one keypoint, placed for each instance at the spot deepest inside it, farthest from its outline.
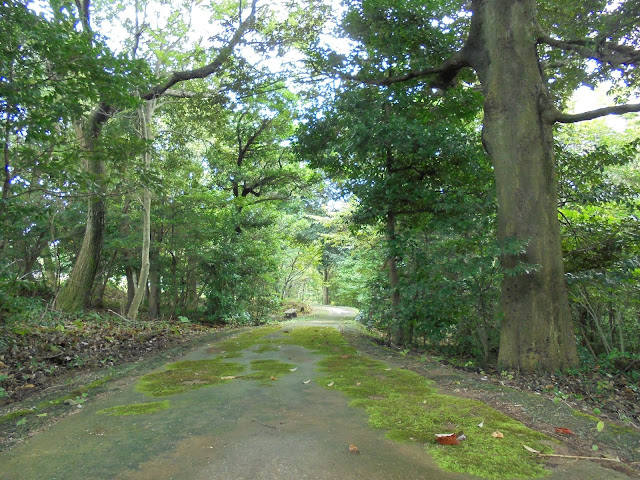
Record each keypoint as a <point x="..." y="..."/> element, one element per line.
<point x="285" y="430"/>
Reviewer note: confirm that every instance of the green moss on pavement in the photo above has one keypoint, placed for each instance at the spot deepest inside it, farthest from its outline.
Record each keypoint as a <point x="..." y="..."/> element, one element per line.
<point x="266" y="370"/>
<point x="408" y="407"/>
<point x="135" y="408"/>
<point x="188" y="375"/>
<point x="232" y="346"/>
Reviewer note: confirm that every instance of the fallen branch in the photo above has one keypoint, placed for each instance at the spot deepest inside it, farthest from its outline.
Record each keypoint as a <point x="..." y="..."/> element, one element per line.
<point x="579" y="457"/>
<point x="118" y="315"/>
<point x="576" y="457"/>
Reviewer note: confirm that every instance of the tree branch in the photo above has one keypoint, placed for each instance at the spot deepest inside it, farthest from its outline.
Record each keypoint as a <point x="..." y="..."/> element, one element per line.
<point x="605" y="52"/>
<point x="446" y="73"/>
<point x="600" y="112"/>
<point x="211" y="68"/>
<point x="188" y="94"/>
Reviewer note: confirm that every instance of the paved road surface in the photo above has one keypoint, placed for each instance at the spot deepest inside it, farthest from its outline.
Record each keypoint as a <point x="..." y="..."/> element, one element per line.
<point x="237" y="430"/>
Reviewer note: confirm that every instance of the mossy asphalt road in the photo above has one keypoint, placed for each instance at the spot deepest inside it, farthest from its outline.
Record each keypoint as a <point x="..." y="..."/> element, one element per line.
<point x="271" y="427"/>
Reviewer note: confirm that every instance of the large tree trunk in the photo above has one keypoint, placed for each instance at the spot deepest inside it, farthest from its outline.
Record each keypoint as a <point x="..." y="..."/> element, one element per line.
<point x="399" y="332"/>
<point x="537" y="331"/>
<point x="76" y="292"/>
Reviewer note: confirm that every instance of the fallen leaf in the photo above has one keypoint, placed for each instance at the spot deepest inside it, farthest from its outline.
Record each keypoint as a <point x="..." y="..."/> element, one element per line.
<point x="29" y="385"/>
<point x="293" y="369"/>
<point x="306" y="381"/>
<point x="353" y="449"/>
<point x="497" y="434"/>
<point x="358" y="384"/>
<point x="481" y="424"/>
<point x="529" y="449"/>
<point x="331" y="384"/>
<point x="447" y="439"/>
<point x="346" y="356"/>
<point x="387" y="369"/>
<point x="564" y="431"/>
<point x="228" y="377"/>
<point x="273" y="378"/>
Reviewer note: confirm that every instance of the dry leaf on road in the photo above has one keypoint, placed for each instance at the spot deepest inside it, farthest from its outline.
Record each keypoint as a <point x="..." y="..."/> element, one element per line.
<point x="447" y="438"/>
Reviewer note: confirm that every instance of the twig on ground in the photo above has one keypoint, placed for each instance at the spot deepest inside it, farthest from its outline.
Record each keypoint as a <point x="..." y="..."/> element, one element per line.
<point x="264" y="424"/>
<point x="118" y="315"/>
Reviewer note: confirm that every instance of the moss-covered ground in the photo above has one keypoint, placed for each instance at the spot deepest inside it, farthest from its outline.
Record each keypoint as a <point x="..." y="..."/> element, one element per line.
<point x="135" y="408"/>
<point x="408" y="407"/>
<point x="267" y="371"/>
<point x="401" y="402"/>
<point x="232" y="346"/>
<point x="188" y="375"/>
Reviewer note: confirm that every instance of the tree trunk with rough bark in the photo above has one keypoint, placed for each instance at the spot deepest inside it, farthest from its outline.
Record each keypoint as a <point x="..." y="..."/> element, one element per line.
<point x="76" y="292"/>
<point x="537" y="330"/>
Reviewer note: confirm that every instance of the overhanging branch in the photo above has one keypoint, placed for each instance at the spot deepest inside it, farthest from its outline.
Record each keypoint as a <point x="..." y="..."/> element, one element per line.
<point x="211" y="68"/>
<point x="188" y="94"/>
<point x="445" y="74"/>
<point x="600" y="112"/>
<point x="605" y="52"/>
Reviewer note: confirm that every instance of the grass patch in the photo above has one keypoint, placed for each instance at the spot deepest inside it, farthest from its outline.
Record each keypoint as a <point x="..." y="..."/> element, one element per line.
<point x="135" y="408"/>
<point x="13" y="415"/>
<point x="264" y="370"/>
<point x="188" y="375"/>
<point x="408" y="407"/>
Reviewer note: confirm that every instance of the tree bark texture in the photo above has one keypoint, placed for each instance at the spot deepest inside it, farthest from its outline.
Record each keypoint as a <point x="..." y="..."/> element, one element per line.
<point x="76" y="292"/>
<point x="537" y="330"/>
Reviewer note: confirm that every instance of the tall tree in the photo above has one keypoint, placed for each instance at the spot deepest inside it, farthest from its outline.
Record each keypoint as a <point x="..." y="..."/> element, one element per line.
<point x="76" y="292"/>
<point x="518" y="49"/>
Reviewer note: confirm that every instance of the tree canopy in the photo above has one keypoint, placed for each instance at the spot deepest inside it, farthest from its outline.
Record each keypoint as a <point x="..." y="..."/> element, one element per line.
<point x="186" y="160"/>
